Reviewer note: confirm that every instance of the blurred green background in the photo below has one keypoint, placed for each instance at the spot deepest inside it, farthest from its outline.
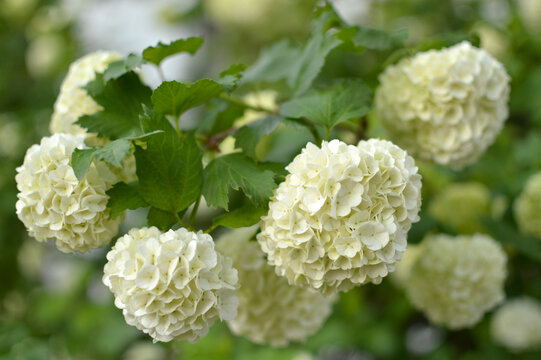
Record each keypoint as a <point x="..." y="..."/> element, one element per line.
<point x="53" y="305"/>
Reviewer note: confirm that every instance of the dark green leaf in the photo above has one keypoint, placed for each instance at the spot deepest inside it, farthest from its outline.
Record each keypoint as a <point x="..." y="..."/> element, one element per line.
<point x="122" y="197"/>
<point x="80" y="161"/>
<point x="340" y="103"/>
<point x="248" y="136"/>
<point x="163" y="220"/>
<point x="527" y="245"/>
<point x="169" y="169"/>
<point x="313" y="55"/>
<point x="236" y="171"/>
<point x="244" y="216"/>
<point x="156" y="54"/>
<point x="114" y="152"/>
<point x="121" y="100"/>
<point x="273" y="64"/>
<point x="174" y="98"/>
<point x="220" y="118"/>
<point x="120" y="67"/>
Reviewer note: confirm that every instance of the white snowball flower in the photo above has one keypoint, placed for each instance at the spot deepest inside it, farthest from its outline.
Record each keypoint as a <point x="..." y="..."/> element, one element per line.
<point x="341" y="216"/>
<point x="527" y="207"/>
<point x="54" y="204"/>
<point x="73" y="101"/>
<point x="171" y="285"/>
<point x="517" y="324"/>
<point x="270" y="310"/>
<point x="445" y="105"/>
<point x="457" y="279"/>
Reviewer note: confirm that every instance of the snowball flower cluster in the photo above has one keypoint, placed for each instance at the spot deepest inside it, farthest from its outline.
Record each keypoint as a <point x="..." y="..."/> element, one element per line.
<point x="457" y="279"/>
<point x="257" y="19"/>
<point x="171" y="285"/>
<point x="74" y="101"/>
<point x="527" y="207"/>
<point x="53" y="203"/>
<point x="445" y="105"/>
<point x="461" y="206"/>
<point x="517" y="324"/>
<point x="341" y="216"/>
<point x="270" y="310"/>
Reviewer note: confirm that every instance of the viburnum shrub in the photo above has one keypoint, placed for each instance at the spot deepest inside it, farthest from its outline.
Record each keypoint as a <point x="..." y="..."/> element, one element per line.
<point x="334" y="217"/>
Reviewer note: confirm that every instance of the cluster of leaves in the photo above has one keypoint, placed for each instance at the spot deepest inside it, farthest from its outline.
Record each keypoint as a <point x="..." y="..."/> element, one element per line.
<point x="170" y="161"/>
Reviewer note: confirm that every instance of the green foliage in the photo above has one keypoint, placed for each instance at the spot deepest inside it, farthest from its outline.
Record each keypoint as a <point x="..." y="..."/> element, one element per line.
<point x="121" y="99"/>
<point x="248" y="136"/>
<point x="174" y="98"/>
<point x="529" y="246"/>
<point x="236" y="171"/>
<point x="120" y="67"/>
<point x="347" y="100"/>
<point x="156" y="54"/>
<point x="163" y="220"/>
<point x="246" y="215"/>
<point x="124" y="197"/>
<point x="169" y="169"/>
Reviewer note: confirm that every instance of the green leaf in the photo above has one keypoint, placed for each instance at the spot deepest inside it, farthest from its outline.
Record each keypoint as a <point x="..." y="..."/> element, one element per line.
<point x="527" y="245"/>
<point x="169" y="170"/>
<point x="122" y="100"/>
<point x="244" y="216"/>
<point x="219" y="118"/>
<point x="156" y="54"/>
<point x="347" y="100"/>
<point x="231" y="77"/>
<point x="81" y="160"/>
<point x="248" y="136"/>
<point x="174" y="98"/>
<point x="366" y="38"/>
<point x="313" y="55"/>
<point x="236" y="171"/>
<point x="120" y="67"/>
<point x="124" y="196"/>
<point x="163" y="220"/>
<point x="274" y="63"/>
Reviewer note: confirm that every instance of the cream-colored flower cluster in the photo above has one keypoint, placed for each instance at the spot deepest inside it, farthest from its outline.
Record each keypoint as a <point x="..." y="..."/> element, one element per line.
<point x="527" y="207"/>
<point x="461" y="206"/>
<point x="341" y="216"/>
<point x="457" y="279"/>
<point x="447" y="105"/>
<point x="517" y="324"/>
<point x="171" y="285"/>
<point x="74" y="101"/>
<point x="257" y="19"/>
<point x="270" y="310"/>
<point x="53" y="203"/>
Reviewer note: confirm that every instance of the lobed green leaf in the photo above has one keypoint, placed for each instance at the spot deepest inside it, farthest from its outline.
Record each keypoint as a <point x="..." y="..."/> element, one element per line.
<point x="122" y="197"/>
<point x="156" y="54"/>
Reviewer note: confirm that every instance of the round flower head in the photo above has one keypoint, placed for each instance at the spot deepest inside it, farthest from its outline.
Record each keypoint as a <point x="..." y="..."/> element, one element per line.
<point x="517" y="324"/>
<point x="54" y="204"/>
<point x="171" y="285"/>
<point x="457" y="279"/>
<point x="445" y="105"/>
<point x="461" y="205"/>
<point x="527" y="207"/>
<point x="270" y="310"/>
<point x="73" y="101"/>
<point x="341" y="216"/>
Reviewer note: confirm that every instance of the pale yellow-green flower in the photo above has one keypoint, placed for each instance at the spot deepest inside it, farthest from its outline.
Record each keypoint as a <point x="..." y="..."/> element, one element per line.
<point x="171" y="285"/>
<point x="341" y="217"/>
<point x="455" y="280"/>
<point x="527" y="207"/>
<point x="517" y="324"/>
<point x="270" y="310"/>
<point x="54" y="204"/>
<point x="461" y="206"/>
<point x="444" y="105"/>
<point x="74" y="101"/>
<point x="261" y="20"/>
<point x="402" y="273"/>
